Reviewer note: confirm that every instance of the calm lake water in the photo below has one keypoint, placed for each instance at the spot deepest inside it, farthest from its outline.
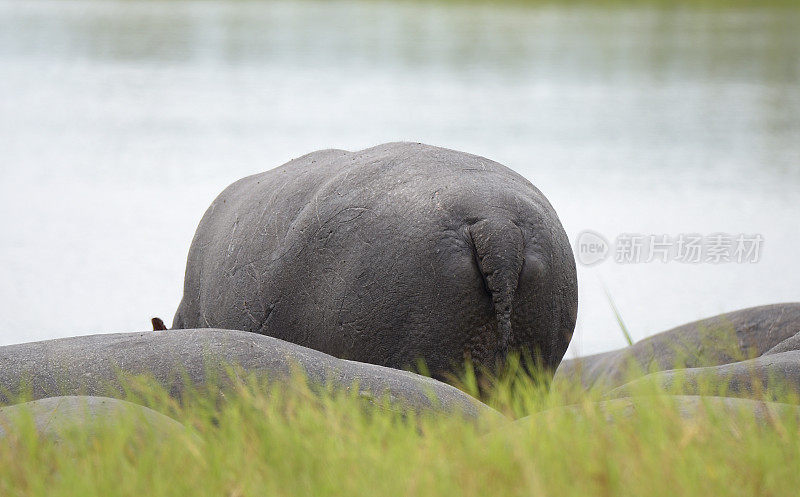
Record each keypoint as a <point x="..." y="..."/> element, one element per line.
<point x="120" y="122"/>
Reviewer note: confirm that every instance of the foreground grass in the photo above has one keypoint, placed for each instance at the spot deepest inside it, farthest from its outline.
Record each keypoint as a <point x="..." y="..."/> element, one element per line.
<point x="266" y="440"/>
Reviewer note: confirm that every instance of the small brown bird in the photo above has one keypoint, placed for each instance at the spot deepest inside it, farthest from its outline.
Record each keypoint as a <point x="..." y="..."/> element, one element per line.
<point x="158" y="324"/>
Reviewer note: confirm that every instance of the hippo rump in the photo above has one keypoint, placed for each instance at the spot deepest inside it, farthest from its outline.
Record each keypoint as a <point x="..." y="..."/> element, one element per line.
<point x="741" y="346"/>
<point x="388" y="255"/>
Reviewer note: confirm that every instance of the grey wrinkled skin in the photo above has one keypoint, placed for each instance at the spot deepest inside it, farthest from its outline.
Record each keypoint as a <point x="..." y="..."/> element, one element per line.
<point x="719" y="340"/>
<point x="92" y="365"/>
<point x="55" y="416"/>
<point x="388" y="255"/>
<point x="791" y="343"/>
<point x="773" y="375"/>
<point x="687" y="406"/>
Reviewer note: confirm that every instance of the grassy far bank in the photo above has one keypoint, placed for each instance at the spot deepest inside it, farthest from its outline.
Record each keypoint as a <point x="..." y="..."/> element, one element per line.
<point x="266" y="440"/>
<point x="793" y="4"/>
<point x="726" y="4"/>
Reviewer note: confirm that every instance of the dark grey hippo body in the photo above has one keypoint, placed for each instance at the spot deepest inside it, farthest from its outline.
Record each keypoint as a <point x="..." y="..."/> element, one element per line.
<point x="92" y="365"/>
<point x="387" y="255"/>
<point x="722" y="340"/>
<point x="54" y="417"/>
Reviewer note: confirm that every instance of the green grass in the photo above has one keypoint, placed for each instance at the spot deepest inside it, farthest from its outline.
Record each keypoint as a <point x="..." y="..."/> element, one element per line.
<point x="622" y="327"/>
<point x="266" y="440"/>
<point x="791" y="4"/>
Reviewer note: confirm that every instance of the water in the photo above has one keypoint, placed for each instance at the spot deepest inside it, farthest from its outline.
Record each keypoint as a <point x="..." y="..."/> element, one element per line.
<point x="120" y="121"/>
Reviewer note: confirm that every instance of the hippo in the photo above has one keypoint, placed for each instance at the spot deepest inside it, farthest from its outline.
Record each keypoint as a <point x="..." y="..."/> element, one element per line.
<point x="686" y="406"/>
<point x="773" y="376"/>
<point x="55" y="417"/>
<point x="720" y="340"/>
<point x="390" y="255"/>
<point x="788" y="345"/>
<point x="97" y="365"/>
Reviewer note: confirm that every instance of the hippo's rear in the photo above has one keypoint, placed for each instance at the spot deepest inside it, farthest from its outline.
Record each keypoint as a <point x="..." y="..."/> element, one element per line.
<point x="388" y="255"/>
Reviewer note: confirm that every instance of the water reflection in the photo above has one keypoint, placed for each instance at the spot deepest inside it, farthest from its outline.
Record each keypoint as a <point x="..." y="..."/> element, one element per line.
<point x="120" y="120"/>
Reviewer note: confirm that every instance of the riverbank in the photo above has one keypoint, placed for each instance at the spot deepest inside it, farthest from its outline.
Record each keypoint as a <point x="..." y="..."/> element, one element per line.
<point x="667" y="4"/>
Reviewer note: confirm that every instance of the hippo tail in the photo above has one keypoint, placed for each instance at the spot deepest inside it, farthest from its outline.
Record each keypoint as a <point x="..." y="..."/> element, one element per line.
<point x="499" y="254"/>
